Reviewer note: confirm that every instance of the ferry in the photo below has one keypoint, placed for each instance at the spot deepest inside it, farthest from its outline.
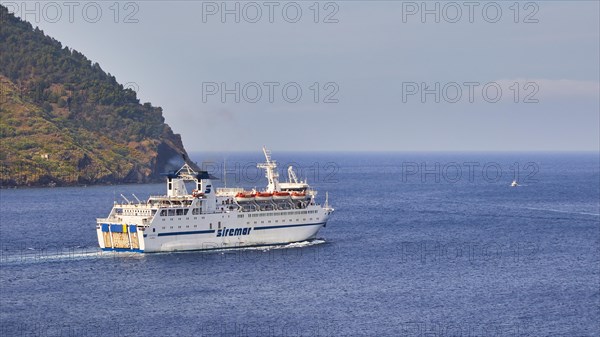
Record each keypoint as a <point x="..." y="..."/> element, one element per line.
<point x="215" y="218"/>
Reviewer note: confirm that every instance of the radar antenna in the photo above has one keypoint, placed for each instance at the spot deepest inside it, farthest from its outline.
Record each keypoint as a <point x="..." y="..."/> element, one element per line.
<point x="271" y="173"/>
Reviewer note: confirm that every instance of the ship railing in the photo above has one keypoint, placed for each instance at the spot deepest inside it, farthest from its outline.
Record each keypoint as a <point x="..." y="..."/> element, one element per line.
<point x="145" y="221"/>
<point x="229" y="190"/>
<point x="140" y="205"/>
<point x="113" y="220"/>
<point x="174" y="197"/>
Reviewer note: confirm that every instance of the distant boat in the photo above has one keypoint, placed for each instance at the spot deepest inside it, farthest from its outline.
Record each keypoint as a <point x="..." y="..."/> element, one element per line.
<point x="514" y="184"/>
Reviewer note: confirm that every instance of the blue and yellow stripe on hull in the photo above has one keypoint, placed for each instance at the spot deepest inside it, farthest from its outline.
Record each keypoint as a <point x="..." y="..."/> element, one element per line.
<point x="118" y="228"/>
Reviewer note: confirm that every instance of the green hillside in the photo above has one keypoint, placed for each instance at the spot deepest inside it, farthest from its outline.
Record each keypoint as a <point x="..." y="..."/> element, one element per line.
<point x="65" y="121"/>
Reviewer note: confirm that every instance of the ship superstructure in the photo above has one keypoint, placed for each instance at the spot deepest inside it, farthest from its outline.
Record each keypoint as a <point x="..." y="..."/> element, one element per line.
<point x="213" y="218"/>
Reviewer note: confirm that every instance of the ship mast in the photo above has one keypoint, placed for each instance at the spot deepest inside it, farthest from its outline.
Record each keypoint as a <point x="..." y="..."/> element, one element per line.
<point x="292" y="178"/>
<point x="271" y="173"/>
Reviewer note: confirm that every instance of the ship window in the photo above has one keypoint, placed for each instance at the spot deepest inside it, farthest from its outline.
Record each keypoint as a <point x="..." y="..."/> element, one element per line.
<point x="179" y="211"/>
<point x="171" y="212"/>
<point x="185" y="211"/>
<point x="210" y="226"/>
<point x="163" y="212"/>
<point x="153" y="230"/>
<point x="163" y="227"/>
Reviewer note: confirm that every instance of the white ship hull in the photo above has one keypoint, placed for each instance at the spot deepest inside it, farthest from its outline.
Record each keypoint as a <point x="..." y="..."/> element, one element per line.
<point x="213" y="231"/>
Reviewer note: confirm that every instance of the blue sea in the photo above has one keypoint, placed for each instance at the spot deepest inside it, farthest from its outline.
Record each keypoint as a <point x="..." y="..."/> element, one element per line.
<point x="420" y="244"/>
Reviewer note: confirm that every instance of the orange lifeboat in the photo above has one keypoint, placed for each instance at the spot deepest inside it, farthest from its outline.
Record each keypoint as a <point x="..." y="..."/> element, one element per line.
<point x="281" y="195"/>
<point x="263" y="196"/>
<point x="298" y="195"/>
<point x="244" y="197"/>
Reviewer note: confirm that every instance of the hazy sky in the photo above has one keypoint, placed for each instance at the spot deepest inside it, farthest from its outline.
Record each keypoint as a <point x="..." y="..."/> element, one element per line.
<point x="506" y="77"/>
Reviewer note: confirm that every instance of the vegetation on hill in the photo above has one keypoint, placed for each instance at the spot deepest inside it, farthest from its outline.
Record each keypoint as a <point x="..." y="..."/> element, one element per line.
<point x="65" y="121"/>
